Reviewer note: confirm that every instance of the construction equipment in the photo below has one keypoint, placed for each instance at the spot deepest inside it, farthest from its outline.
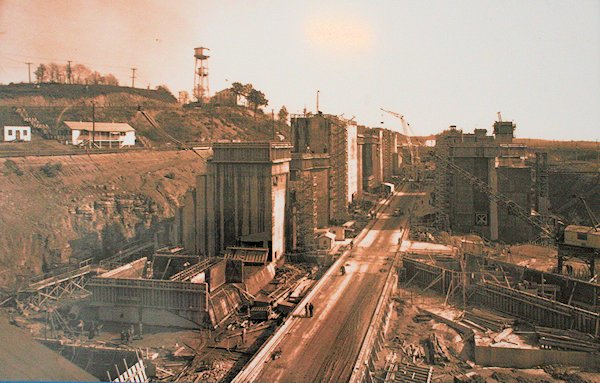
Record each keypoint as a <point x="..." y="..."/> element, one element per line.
<point x="536" y="221"/>
<point x="582" y="242"/>
<point x="413" y="149"/>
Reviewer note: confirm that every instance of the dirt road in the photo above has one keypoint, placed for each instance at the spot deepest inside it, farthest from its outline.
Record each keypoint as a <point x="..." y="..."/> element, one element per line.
<point x="324" y="348"/>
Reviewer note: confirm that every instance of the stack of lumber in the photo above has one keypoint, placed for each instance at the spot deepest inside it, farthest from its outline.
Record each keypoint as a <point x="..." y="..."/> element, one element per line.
<point x="485" y="320"/>
<point x="552" y="338"/>
<point x="422" y="317"/>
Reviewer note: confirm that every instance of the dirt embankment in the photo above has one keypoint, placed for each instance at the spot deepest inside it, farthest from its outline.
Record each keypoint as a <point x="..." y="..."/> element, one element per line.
<point x="85" y="205"/>
<point x="562" y="189"/>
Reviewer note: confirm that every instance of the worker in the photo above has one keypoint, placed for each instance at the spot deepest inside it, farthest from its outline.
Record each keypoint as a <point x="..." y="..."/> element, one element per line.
<point x="311" y="309"/>
<point x="306" y="310"/>
<point x="244" y="335"/>
<point x="343" y="270"/>
<point x="351" y="243"/>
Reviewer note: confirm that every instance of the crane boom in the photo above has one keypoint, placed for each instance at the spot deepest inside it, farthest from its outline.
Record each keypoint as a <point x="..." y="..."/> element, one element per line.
<point x="407" y="132"/>
<point x="590" y="213"/>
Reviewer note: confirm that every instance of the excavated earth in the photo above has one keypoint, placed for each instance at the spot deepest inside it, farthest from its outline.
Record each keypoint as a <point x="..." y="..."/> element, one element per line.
<point x="86" y="206"/>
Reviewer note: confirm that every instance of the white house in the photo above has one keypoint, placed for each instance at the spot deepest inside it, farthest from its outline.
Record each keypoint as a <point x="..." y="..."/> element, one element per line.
<point x="17" y="133"/>
<point x="107" y="134"/>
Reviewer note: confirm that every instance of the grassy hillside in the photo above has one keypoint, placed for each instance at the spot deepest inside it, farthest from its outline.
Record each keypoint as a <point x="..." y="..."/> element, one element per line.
<point x="78" y="91"/>
<point x="54" y="103"/>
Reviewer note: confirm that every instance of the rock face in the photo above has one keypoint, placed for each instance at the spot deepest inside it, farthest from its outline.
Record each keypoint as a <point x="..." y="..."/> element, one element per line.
<point x="89" y="207"/>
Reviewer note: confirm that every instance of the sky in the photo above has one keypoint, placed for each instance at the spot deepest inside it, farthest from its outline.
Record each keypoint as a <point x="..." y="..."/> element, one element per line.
<point x="438" y="63"/>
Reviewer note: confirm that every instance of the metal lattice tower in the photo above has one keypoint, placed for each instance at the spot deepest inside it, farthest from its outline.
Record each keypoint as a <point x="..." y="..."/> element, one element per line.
<point x="201" y="85"/>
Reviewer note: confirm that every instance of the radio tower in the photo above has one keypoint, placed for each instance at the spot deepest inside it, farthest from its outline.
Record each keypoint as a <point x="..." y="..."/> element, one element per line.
<point x="201" y="88"/>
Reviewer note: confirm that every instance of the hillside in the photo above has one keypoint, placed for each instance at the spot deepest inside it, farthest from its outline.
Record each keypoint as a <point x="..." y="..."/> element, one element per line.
<point x="52" y="104"/>
<point x="87" y="206"/>
<point x="56" y="207"/>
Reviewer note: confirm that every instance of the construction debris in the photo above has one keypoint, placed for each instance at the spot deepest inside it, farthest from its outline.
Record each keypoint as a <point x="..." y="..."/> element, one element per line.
<point x="551" y="338"/>
<point x="485" y="320"/>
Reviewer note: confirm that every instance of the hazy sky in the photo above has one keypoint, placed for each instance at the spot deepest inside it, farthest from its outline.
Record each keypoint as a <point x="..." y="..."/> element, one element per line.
<point x="437" y="62"/>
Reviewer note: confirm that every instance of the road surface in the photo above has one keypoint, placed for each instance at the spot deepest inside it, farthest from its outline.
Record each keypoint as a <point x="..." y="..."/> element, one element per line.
<point x="324" y="348"/>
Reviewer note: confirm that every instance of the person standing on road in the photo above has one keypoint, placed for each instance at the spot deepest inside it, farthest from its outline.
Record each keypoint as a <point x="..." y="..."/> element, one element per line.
<point x="311" y="309"/>
<point x="306" y="310"/>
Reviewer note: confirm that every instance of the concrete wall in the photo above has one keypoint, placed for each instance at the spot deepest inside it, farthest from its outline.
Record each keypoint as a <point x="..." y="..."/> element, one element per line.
<point x="466" y="201"/>
<point x="216" y="275"/>
<point x="352" y="169"/>
<point x="122" y="300"/>
<point x="278" y="201"/>
<point x="152" y="317"/>
<point x="530" y="358"/>
<point x="257" y="277"/>
<point x="188" y="216"/>
<point x="516" y="184"/>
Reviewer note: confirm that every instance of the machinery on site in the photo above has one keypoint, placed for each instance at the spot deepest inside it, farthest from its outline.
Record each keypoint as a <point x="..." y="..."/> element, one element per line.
<point x="412" y="148"/>
<point x="572" y="241"/>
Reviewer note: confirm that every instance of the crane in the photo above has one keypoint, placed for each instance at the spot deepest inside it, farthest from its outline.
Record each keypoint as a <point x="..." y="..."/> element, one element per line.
<point x="571" y="241"/>
<point x="502" y="200"/>
<point x="414" y="155"/>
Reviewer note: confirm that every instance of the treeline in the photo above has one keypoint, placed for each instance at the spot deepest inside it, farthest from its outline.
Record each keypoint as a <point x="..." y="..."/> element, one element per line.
<point x="72" y="74"/>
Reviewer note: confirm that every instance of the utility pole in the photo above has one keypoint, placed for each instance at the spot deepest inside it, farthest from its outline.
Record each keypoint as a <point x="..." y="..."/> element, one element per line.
<point x="69" y="71"/>
<point x="93" y="124"/>
<point x="274" y="130"/>
<point x="133" y="77"/>
<point x="29" y="71"/>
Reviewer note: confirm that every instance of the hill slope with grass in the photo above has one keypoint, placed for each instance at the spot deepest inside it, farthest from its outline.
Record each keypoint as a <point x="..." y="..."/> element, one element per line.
<point x="52" y="104"/>
<point x="63" y="207"/>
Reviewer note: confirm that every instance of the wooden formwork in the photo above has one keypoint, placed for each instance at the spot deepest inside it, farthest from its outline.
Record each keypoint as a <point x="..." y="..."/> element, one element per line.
<point x="533" y="308"/>
<point x="170" y="295"/>
<point x="431" y="276"/>
<point x="536" y="309"/>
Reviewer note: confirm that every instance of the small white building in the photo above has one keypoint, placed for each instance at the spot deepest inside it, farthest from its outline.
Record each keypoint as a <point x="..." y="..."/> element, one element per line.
<point x="103" y="134"/>
<point x="326" y="241"/>
<point x="17" y="133"/>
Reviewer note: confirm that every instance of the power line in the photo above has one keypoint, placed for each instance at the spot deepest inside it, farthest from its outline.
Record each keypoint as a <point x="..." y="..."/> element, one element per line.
<point x="94" y="64"/>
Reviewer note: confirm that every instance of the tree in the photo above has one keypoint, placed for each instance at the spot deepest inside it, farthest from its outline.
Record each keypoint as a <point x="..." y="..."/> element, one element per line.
<point x="54" y="72"/>
<point x="96" y="78"/>
<point x="246" y="89"/>
<point x="40" y="73"/>
<point x="163" y="88"/>
<point x="80" y="73"/>
<point x="237" y="88"/>
<point x="283" y="114"/>
<point x="110" y="79"/>
<point x="257" y="99"/>
<point x="69" y="73"/>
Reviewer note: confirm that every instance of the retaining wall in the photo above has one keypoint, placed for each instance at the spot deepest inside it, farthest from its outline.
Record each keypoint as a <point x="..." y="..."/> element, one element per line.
<point x="530" y="358"/>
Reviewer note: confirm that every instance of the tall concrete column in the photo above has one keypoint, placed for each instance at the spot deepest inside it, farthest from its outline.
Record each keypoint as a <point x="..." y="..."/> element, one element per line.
<point x="493" y="182"/>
